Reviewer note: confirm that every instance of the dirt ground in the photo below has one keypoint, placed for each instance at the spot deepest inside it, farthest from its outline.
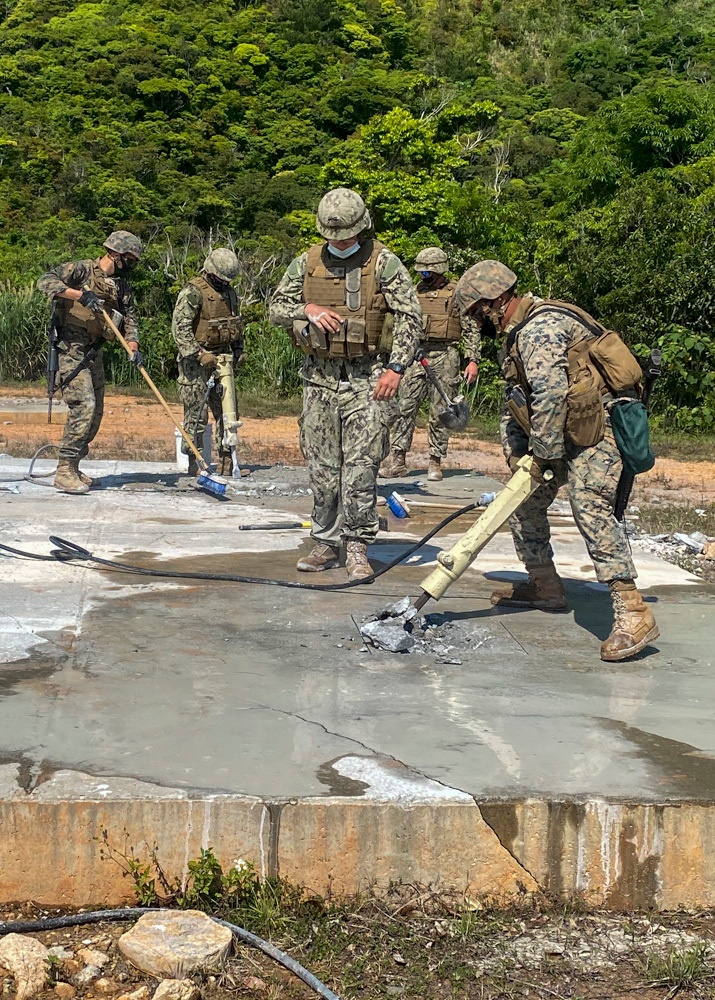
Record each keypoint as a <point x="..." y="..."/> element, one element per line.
<point x="136" y="428"/>
<point x="385" y="948"/>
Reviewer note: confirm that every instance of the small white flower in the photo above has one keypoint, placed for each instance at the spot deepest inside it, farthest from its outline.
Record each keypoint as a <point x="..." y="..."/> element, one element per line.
<point x="699" y="512"/>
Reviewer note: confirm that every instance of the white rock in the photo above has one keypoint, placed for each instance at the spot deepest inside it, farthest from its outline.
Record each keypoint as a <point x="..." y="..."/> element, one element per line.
<point x="169" y="944"/>
<point x="26" y="959"/>
<point x="142" y="993"/>
<point x="87" y="975"/>
<point x="176" y="989"/>
<point x="60" y="953"/>
<point x="90" y="956"/>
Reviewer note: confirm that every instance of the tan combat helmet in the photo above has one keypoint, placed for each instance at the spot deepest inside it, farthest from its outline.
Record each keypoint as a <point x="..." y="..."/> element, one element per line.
<point x="486" y="280"/>
<point x="432" y="259"/>
<point x="222" y="263"/>
<point x="342" y="214"/>
<point x="123" y="242"/>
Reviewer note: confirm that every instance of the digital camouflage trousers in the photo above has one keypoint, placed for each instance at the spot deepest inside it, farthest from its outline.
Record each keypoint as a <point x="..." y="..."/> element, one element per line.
<point x="84" y="397"/>
<point x="413" y="390"/>
<point x="192" y="383"/>
<point x="593" y="475"/>
<point x="344" y="436"/>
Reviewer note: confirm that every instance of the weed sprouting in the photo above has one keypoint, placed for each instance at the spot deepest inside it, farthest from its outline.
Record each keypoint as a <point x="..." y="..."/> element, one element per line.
<point x="680" y="970"/>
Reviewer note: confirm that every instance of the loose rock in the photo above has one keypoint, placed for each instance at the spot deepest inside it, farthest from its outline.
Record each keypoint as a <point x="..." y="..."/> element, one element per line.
<point x="26" y="959"/>
<point x="170" y="944"/>
<point x="60" y="953"/>
<point x="87" y="975"/>
<point x="65" y="991"/>
<point x="106" y="986"/>
<point x="142" y="993"/>
<point x="176" y="989"/>
<point x="90" y="956"/>
<point x="393" y="638"/>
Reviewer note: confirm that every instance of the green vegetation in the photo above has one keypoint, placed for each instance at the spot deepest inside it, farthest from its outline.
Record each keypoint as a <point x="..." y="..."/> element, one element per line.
<point x="574" y="140"/>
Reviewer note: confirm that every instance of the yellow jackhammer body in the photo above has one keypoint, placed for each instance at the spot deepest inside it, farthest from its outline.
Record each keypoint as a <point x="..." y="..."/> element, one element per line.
<point x="451" y="564"/>
<point x="229" y="408"/>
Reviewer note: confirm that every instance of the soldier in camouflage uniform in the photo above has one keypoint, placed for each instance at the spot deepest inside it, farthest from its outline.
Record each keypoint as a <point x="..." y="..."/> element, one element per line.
<point x="80" y="291"/>
<point x="544" y="344"/>
<point x="444" y="326"/>
<point x="205" y="323"/>
<point x="338" y="301"/>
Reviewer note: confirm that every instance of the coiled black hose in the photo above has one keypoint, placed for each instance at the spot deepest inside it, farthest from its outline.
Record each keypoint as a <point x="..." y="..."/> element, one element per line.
<point x="67" y="551"/>
<point x="129" y="913"/>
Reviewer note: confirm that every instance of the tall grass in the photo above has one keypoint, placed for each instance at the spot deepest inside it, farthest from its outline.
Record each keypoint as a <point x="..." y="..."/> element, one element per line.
<point x="24" y="315"/>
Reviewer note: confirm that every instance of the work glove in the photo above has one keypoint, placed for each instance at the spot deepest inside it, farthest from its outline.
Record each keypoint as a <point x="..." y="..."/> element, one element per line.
<point x="137" y="358"/>
<point x="208" y="360"/>
<point x="513" y="463"/>
<point x="559" y="467"/>
<point x="90" y="300"/>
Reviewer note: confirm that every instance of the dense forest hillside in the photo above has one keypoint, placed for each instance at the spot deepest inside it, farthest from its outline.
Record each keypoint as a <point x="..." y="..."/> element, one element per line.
<point x="574" y="139"/>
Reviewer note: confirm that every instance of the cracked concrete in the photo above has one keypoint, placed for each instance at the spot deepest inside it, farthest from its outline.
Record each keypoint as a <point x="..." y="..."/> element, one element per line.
<point x="253" y="719"/>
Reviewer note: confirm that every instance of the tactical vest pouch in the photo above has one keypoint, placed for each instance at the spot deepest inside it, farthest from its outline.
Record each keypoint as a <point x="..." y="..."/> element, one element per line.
<point x="384" y="344"/>
<point x="585" y="413"/>
<point x="318" y="340"/>
<point x="222" y="331"/>
<point x="353" y="282"/>
<point x="355" y="337"/>
<point x="629" y="422"/>
<point x="615" y="361"/>
<point x="301" y="335"/>
<point x="425" y="325"/>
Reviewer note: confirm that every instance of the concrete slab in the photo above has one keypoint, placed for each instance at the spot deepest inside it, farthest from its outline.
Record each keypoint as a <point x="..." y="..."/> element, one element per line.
<point x="220" y="701"/>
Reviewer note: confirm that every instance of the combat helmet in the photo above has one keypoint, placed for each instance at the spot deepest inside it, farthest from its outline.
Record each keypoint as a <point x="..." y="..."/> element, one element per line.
<point x="486" y="280"/>
<point x="432" y="259"/>
<point x="123" y="242"/>
<point x="222" y="263"/>
<point x="342" y="214"/>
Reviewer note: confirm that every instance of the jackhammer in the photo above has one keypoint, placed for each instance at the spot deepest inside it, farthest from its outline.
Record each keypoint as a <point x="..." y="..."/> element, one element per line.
<point x="451" y="564"/>
<point x="229" y="408"/>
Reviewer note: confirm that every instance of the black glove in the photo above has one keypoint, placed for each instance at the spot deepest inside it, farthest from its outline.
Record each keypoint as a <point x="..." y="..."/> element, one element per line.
<point x="239" y="358"/>
<point x="137" y="358"/>
<point x="90" y="300"/>
<point x="558" y="466"/>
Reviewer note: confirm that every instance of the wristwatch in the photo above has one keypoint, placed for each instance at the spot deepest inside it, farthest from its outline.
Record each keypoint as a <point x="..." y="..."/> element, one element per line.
<point x="395" y="367"/>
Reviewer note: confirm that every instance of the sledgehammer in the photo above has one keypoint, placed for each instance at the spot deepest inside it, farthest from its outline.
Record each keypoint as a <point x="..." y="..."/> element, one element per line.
<point x="451" y="564"/>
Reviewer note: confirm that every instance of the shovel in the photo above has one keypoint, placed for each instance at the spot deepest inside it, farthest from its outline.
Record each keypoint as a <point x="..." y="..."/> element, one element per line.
<point x="456" y="415"/>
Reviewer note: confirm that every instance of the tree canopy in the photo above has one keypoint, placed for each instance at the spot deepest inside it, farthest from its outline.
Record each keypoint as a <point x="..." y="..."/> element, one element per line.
<point x="574" y="140"/>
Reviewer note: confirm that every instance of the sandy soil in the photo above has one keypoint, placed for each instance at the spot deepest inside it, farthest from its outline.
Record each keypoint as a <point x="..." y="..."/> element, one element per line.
<point x="137" y="428"/>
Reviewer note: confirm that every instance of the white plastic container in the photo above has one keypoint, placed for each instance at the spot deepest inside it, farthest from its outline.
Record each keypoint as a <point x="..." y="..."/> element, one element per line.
<point x="182" y="460"/>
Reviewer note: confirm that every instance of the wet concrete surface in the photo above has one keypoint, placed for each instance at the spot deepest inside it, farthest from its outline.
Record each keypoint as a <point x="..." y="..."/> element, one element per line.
<point x="265" y="691"/>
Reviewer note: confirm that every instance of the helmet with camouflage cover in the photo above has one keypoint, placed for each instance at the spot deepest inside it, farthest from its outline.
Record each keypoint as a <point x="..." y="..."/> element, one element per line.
<point x="342" y="214"/>
<point x="486" y="280"/>
<point x="432" y="259"/>
<point x="123" y="242"/>
<point x="222" y="263"/>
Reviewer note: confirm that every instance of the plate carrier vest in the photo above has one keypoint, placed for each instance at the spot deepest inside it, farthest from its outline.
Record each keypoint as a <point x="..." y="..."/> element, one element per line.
<point x="440" y="318"/>
<point x="70" y="313"/>
<point x="348" y="287"/>
<point x="217" y="324"/>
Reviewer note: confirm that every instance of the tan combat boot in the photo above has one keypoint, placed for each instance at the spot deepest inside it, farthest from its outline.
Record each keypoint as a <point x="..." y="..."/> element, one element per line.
<point x="434" y="472"/>
<point x="356" y="563"/>
<point x="322" y="557"/>
<point x="67" y="479"/>
<point x="543" y="590"/>
<point x="224" y="466"/>
<point x="87" y="480"/>
<point x="633" y="623"/>
<point x="394" y="465"/>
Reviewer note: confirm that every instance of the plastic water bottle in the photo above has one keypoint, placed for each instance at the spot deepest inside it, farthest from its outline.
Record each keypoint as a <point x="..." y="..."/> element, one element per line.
<point x="486" y="498"/>
<point x="396" y="505"/>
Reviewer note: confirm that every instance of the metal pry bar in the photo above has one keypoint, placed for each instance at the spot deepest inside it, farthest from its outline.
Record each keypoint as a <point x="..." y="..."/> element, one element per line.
<point x="451" y="564"/>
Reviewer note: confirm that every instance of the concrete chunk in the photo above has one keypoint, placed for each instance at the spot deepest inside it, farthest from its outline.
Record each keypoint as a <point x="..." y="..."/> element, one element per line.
<point x="170" y="944"/>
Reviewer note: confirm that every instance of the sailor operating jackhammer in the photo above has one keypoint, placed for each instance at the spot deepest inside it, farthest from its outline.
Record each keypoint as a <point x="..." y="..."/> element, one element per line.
<point x="208" y="331"/>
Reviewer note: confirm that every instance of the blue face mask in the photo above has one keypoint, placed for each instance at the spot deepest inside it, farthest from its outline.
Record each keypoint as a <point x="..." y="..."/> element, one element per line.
<point x="425" y="274"/>
<point x="342" y="254"/>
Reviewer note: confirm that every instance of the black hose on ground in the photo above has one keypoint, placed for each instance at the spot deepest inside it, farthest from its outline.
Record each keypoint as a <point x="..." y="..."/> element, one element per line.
<point x="129" y="913"/>
<point x="67" y="551"/>
<point x="30" y="476"/>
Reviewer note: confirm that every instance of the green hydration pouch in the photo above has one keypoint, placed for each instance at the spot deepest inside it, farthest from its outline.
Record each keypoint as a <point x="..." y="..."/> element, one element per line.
<point x="629" y="422"/>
